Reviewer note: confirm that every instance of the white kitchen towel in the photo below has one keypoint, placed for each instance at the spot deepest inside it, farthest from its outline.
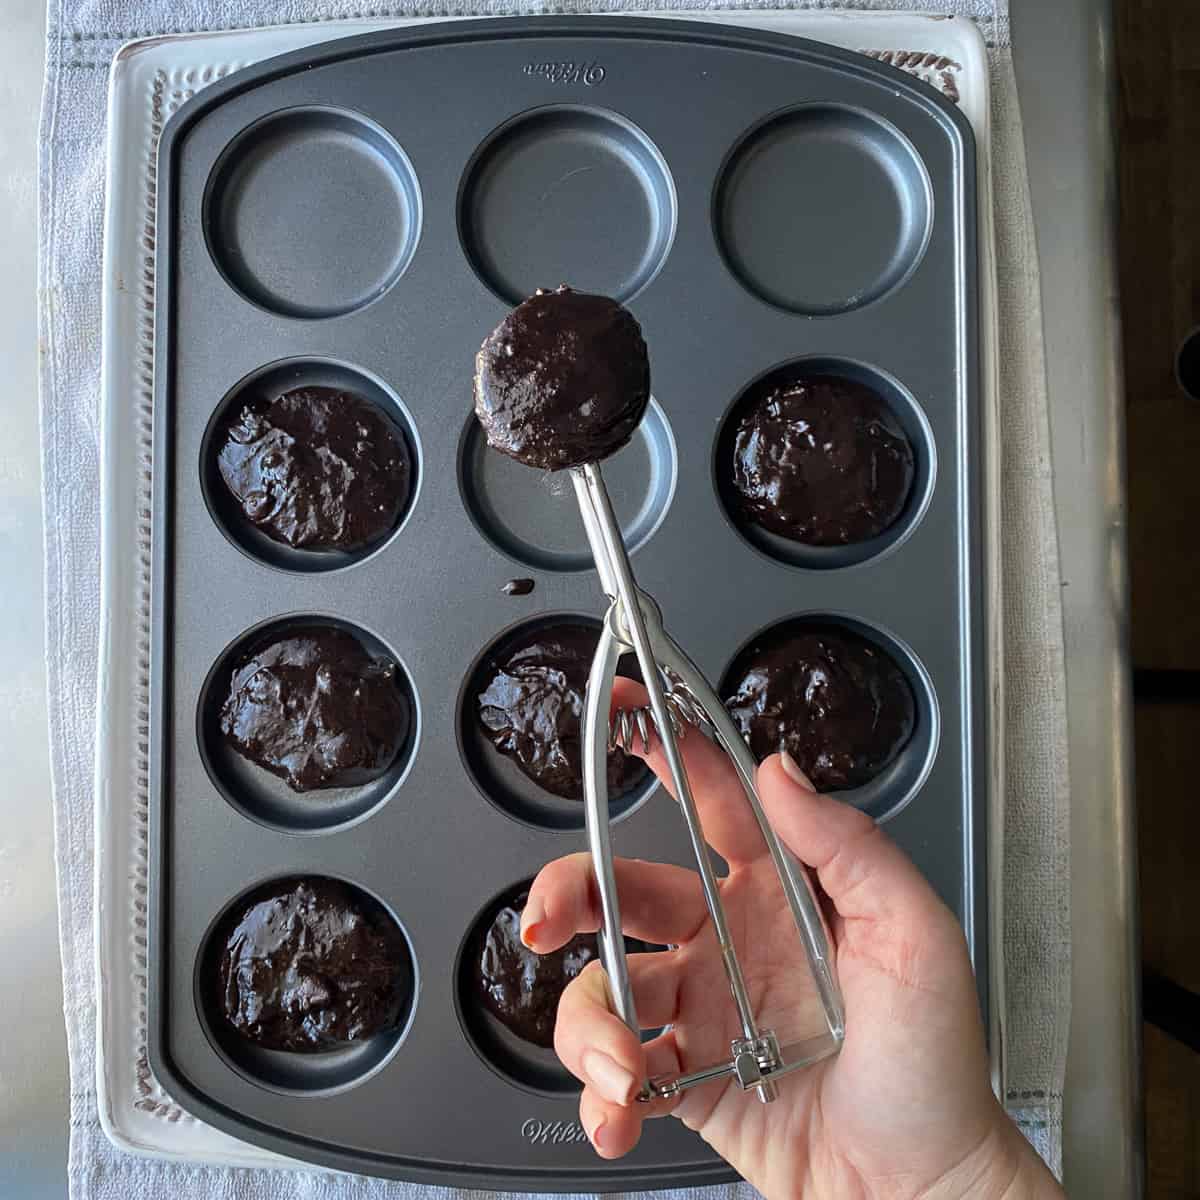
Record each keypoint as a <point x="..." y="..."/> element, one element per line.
<point x="82" y="37"/>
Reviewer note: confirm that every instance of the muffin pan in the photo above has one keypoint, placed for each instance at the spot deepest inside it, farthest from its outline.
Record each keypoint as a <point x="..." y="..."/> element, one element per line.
<point x="763" y="204"/>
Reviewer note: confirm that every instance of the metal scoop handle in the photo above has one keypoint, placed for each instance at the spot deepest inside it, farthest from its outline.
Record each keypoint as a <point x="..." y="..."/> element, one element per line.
<point x="634" y="622"/>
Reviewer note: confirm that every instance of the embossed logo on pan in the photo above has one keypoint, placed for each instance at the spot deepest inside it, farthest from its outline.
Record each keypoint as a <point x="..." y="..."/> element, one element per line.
<point x="552" y="1133"/>
<point x="587" y="73"/>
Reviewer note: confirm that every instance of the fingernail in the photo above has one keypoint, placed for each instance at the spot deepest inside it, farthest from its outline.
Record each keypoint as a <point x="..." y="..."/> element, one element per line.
<point x="598" y="1136"/>
<point x="608" y="1077"/>
<point x="531" y="919"/>
<point x="791" y="769"/>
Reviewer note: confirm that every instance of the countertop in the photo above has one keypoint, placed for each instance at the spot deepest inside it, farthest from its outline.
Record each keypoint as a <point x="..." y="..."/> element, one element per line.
<point x="1063" y="56"/>
<point x="33" y="1045"/>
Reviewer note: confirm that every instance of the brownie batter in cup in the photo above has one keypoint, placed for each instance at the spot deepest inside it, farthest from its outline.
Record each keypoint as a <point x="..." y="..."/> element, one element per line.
<point x="820" y="460"/>
<point x="520" y="988"/>
<point x="316" y="469"/>
<point x="531" y="705"/>
<point x="309" y="965"/>
<point x="835" y="701"/>
<point x="563" y="380"/>
<point x="314" y="707"/>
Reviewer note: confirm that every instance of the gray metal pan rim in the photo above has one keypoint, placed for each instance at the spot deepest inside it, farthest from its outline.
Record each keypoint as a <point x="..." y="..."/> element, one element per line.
<point x="524" y="28"/>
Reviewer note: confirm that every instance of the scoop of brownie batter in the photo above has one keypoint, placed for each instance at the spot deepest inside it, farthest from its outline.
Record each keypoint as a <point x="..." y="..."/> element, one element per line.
<point x="821" y="460"/>
<point x="531" y="704"/>
<point x="521" y="988"/>
<point x="562" y="380"/>
<point x="316" y="468"/>
<point x="310" y="964"/>
<point x="836" y="702"/>
<point x="316" y="708"/>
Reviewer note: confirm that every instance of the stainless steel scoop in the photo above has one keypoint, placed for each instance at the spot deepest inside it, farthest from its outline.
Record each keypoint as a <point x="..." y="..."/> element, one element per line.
<point x="681" y="698"/>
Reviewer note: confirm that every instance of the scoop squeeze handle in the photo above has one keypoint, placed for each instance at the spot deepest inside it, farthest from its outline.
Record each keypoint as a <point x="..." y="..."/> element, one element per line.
<point x="634" y="623"/>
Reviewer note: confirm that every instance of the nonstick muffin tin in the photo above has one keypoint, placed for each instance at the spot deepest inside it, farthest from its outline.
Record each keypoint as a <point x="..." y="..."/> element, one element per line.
<point x="361" y="215"/>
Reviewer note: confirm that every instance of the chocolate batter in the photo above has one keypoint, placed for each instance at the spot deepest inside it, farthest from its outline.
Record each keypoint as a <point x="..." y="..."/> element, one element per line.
<point x="562" y="380"/>
<point x="530" y="707"/>
<point x="310" y="964"/>
<point x="821" y="460"/>
<point x="520" y="988"/>
<point x="317" y="468"/>
<point x="835" y="701"/>
<point x="315" y="708"/>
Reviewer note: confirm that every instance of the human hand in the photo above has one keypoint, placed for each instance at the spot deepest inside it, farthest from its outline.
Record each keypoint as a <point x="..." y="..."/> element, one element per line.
<point x="905" y="1111"/>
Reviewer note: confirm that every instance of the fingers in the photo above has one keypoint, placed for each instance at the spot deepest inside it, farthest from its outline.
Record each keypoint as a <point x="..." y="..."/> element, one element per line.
<point x="594" y="1044"/>
<point x="729" y="825"/>
<point x="591" y="1039"/>
<point x="864" y="873"/>
<point x="659" y="903"/>
<point x="655" y="979"/>
<point x="608" y="1059"/>
<point x="613" y="1130"/>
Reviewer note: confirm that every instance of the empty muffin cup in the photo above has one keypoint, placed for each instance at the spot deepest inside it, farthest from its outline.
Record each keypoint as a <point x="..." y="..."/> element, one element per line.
<point x="532" y="517"/>
<point x="785" y="240"/>
<point x="554" y="181"/>
<point x="287" y="180"/>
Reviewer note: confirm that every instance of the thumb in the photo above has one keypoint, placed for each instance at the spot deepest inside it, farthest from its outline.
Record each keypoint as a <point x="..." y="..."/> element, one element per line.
<point x="862" y="871"/>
